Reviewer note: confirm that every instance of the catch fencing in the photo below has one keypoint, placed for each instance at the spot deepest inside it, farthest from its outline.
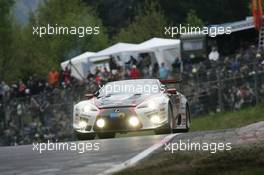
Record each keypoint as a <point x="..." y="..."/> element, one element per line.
<point x="49" y="115"/>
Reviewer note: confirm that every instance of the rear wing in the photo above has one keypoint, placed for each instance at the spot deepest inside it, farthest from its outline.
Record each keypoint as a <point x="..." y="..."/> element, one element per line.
<point x="172" y="83"/>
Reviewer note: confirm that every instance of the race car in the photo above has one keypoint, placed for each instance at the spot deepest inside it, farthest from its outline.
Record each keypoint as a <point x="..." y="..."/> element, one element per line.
<point x="132" y="105"/>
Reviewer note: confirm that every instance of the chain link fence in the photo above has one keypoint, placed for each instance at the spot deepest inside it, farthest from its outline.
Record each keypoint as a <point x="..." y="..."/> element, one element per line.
<point x="48" y="116"/>
<point x="217" y="89"/>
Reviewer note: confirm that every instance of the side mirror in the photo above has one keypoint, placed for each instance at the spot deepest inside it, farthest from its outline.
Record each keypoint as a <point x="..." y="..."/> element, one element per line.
<point x="171" y="91"/>
<point x="89" y="96"/>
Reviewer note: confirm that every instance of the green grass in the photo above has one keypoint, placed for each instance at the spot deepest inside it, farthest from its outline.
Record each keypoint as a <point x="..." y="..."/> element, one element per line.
<point x="216" y="121"/>
<point x="246" y="160"/>
<point x="241" y="160"/>
<point x="229" y="119"/>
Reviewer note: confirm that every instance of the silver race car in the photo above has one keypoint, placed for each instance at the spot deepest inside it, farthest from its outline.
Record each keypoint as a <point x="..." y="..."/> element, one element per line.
<point x="132" y="105"/>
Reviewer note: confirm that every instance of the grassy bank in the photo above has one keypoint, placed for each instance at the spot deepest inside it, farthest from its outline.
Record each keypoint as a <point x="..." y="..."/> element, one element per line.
<point x="222" y="120"/>
<point x="247" y="160"/>
<point x="225" y="120"/>
<point x="241" y="160"/>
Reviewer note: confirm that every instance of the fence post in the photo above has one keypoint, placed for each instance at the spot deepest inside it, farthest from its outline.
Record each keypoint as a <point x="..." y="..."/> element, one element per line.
<point x="256" y="79"/>
<point x="219" y="84"/>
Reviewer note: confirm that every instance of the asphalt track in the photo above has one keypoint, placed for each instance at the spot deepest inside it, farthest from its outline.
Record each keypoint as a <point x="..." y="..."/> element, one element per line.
<point x="22" y="160"/>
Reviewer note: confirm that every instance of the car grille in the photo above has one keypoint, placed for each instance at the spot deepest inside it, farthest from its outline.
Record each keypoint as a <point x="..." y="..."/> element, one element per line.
<point x="116" y="119"/>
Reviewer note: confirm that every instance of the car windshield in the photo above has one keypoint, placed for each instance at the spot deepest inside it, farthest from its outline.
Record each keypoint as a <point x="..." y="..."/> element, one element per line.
<point x="130" y="87"/>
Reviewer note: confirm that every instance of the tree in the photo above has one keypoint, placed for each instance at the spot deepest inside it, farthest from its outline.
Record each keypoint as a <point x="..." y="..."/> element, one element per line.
<point x="5" y="34"/>
<point x="149" y="22"/>
<point x="211" y="12"/>
<point x="115" y="14"/>
<point x="37" y="55"/>
<point x="193" y="20"/>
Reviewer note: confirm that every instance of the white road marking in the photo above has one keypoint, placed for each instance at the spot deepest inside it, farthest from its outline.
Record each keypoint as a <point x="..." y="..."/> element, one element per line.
<point x="131" y="162"/>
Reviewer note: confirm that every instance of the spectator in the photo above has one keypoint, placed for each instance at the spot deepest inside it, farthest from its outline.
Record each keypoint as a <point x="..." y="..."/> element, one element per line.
<point x="14" y="90"/>
<point x="53" y="77"/>
<point x="140" y="63"/>
<point x="126" y="74"/>
<point x="146" y="61"/>
<point x="214" y="55"/>
<point x="98" y="78"/>
<point x="106" y="73"/>
<point x="21" y="88"/>
<point x="90" y="75"/>
<point x="176" y="65"/>
<point x="4" y="90"/>
<point x="113" y="65"/>
<point x="187" y="64"/>
<point x="163" y="72"/>
<point x="30" y="82"/>
<point x="134" y="73"/>
<point x="235" y="65"/>
<point x="66" y="76"/>
<point x="146" y="72"/>
<point x="155" y="70"/>
<point x="34" y="85"/>
<point x="131" y="62"/>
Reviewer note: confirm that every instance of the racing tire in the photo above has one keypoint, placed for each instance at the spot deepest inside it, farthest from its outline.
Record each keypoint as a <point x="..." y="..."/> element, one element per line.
<point x="107" y="135"/>
<point x="188" y="120"/>
<point x="187" y="124"/>
<point x="167" y="129"/>
<point x="84" y="136"/>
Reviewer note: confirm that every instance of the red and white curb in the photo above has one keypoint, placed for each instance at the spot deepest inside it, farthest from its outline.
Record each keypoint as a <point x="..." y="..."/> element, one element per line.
<point x="134" y="160"/>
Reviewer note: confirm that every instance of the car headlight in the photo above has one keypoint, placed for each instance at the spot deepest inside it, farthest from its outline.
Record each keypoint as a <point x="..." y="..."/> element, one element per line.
<point x="150" y="104"/>
<point x="83" y="124"/>
<point x="100" y="123"/>
<point x="89" y="108"/>
<point x="133" y="121"/>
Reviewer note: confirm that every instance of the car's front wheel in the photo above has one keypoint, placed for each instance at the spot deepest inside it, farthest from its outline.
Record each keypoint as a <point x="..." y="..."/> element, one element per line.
<point x="188" y="120"/>
<point x="84" y="136"/>
<point x="168" y="128"/>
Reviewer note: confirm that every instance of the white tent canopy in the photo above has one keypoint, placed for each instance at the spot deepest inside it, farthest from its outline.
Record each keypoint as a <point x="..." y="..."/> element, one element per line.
<point x="162" y="50"/>
<point x="158" y="43"/>
<point x="79" y="65"/>
<point x="165" y="50"/>
<point x="101" y="58"/>
<point x="112" y="50"/>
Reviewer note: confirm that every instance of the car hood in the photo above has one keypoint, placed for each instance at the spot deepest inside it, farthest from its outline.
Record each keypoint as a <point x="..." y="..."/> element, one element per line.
<point x="121" y="100"/>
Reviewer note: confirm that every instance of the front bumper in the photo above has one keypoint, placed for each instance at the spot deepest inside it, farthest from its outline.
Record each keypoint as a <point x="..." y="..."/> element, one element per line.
<point x="117" y="120"/>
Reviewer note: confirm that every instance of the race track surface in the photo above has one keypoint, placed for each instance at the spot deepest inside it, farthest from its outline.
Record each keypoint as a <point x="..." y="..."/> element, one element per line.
<point x="23" y="160"/>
